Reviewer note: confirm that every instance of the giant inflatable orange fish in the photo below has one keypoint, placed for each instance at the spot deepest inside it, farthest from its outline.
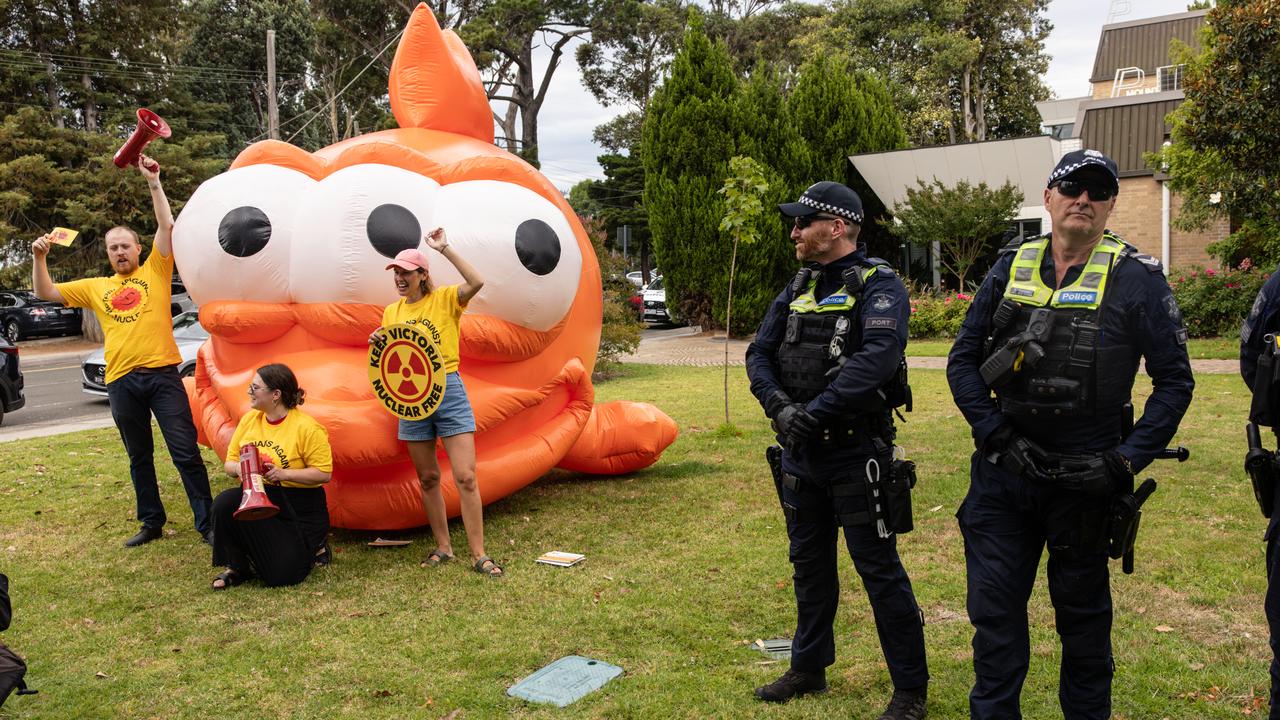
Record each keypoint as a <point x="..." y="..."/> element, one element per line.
<point x="285" y="253"/>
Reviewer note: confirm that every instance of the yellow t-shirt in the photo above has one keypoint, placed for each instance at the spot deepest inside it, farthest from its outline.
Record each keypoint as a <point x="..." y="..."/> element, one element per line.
<point x="134" y="312"/>
<point x="297" y="441"/>
<point x="439" y="313"/>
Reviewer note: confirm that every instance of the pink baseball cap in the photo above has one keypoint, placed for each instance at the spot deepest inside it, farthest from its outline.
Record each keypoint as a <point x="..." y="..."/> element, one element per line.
<point x="409" y="259"/>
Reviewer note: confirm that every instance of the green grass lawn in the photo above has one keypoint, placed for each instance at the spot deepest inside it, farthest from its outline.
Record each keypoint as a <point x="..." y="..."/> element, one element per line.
<point x="1197" y="348"/>
<point x="687" y="565"/>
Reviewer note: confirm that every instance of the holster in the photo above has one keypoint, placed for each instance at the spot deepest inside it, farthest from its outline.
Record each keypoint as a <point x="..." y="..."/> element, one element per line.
<point x="773" y="456"/>
<point x="1126" y="515"/>
<point x="897" y="491"/>
<point x="1262" y="468"/>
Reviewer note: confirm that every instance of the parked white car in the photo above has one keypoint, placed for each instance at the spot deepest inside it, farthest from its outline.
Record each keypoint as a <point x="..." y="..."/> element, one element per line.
<point x="187" y="332"/>
<point x="655" y="304"/>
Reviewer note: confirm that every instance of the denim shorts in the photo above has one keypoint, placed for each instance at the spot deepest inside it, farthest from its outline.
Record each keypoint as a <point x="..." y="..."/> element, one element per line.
<point x="452" y="417"/>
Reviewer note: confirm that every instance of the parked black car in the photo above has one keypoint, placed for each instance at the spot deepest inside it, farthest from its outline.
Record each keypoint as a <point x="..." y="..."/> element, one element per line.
<point x="23" y="315"/>
<point x="11" y="396"/>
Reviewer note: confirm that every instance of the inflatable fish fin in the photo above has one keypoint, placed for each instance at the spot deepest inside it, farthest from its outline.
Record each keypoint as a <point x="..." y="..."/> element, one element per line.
<point x="434" y="82"/>
<point x="619" y="437"/>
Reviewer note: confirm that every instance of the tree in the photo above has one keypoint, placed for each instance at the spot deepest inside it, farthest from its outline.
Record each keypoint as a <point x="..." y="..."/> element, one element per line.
<point x="837" y="113"/>
<point x="689" y="136"/>
<point x="64" y="177"/>
<point x="958" y="69"/>
<point x="962" y="219"/>
<point x="742" y="191"/>
<point x="1221" y="159"/>
<point x="502" y="35"/>
<point x="233" y="35"/>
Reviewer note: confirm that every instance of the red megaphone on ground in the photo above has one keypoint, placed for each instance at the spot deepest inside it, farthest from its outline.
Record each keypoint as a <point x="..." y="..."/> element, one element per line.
<point x="254" y="503"/>
<point x="150" y="127"/>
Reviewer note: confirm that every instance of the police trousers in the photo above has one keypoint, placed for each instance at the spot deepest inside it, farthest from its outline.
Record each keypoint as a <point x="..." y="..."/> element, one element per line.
<point x="812" y="530"/>
<point x="1007" y="522"/>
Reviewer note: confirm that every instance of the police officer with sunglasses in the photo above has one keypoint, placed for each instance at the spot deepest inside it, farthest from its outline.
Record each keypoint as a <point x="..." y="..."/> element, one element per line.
<point x="1043" y="368"/>
<point x="827" y="367"/>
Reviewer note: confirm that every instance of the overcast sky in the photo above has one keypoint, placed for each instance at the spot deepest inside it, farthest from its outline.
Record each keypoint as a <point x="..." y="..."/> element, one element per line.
<point x="570" y="113"/>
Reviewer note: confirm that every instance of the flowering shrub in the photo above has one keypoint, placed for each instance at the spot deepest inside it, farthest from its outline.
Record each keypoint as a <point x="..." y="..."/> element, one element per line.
<point x="937" y="315"/>
<point x="1215" y="302"/>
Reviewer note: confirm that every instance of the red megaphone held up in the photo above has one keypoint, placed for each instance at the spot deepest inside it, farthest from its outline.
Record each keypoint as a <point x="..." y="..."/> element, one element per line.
<point x="254" y="503"/>
<point x="150" y="127"/>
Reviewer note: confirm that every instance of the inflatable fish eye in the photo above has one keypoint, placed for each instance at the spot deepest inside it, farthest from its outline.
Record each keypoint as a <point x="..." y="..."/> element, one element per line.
<point x="237" y="234"/>
<point x="351" y="224"/>
<point x="522" y="244"/>
<point x="287" y="254"/>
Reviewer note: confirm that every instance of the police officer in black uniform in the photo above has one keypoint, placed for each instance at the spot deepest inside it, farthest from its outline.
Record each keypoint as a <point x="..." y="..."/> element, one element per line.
<point x="1056" y="332"/>
<point x="827" y="366"/>
<point x="1260" y="367"/>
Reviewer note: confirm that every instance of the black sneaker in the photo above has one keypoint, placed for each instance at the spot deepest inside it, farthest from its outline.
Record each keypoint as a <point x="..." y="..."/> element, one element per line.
<point x="906" y="705"/>
<point x="792" y="684"/>
<point x="144" y="536"/>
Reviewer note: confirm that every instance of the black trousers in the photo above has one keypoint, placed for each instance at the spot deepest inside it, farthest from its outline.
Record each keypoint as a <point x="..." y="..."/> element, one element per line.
<point x="137" y="396"/>
<point x="1006" y="523"/>
<point x="1272" y="605"/>
<point x="280" y="550"/>
<point x="814" y="557"/>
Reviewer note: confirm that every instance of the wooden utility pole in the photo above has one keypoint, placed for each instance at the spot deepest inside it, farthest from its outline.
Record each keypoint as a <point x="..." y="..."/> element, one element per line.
<point x="273" y="113"/>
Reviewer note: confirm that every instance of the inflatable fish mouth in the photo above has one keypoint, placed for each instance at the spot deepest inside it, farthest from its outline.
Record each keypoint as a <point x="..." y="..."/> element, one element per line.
<point x="326" y="346"/>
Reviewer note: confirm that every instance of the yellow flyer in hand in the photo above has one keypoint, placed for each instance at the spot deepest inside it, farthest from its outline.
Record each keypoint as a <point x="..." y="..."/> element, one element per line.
<point x="406" y="372"/>
<point x="63" y="236"/>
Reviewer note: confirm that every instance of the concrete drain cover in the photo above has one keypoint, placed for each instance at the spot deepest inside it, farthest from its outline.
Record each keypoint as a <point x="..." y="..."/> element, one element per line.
<point x="565" y="680"/>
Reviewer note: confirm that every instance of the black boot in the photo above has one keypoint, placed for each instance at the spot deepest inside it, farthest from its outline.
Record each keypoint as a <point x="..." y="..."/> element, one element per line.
<point x="792" y="683"/>
<point x="144" y="536"/>
<point x="906" y="705"/>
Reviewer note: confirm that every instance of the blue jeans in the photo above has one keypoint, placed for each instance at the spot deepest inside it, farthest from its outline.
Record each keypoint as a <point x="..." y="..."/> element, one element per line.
<point x="137" y="396"/>
<point x="453" y="417"/>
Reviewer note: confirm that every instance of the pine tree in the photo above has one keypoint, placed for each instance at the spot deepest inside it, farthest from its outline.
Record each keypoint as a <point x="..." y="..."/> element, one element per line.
<point x="688" y="137"/>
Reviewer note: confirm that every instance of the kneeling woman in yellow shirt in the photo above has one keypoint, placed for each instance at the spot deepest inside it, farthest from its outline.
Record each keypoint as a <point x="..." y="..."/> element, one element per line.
<point x="281" y="550"/>
<point x="440" y="309"/>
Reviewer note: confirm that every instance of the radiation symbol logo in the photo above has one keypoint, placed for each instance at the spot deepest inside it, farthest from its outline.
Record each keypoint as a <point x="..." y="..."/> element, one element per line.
<point x="125" y="302"/>
<point x="406" y="372"/>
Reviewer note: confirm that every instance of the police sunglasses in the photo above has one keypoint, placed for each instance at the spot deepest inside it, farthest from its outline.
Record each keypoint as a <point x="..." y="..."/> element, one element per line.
<point x="804" y="221"/>
<point x="1098" y="192"/>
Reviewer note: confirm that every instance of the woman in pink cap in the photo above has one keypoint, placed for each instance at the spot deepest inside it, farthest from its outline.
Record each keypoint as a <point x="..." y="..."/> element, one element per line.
<point x="441" y="308"/>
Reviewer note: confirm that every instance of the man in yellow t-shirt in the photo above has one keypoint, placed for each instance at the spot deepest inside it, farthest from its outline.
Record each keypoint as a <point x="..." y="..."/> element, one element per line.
<point x="133" y="307"/>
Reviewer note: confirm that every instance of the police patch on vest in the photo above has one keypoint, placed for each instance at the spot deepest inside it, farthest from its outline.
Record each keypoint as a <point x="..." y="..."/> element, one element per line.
<point x="838" y="299"/>
<point x="1171" y="307"/>
<point x="1023" y="292"/>
<point x="880" y="322"/>
<point x="881" y="302"/>
<point x="1077" y="297"/>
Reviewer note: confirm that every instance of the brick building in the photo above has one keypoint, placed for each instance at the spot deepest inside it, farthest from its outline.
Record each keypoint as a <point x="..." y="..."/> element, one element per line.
<point x="1134" y="85"/>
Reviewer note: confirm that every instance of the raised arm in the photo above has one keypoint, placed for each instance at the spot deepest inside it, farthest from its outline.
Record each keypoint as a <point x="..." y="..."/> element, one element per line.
<point x="41" y="283"/>
<point x="471" y="279"/>
<point x="150" y="170"/>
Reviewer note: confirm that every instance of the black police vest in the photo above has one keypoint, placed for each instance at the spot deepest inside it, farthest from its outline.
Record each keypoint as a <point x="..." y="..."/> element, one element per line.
<point x="1058" y="368"/>
<point x="820" y="334"/>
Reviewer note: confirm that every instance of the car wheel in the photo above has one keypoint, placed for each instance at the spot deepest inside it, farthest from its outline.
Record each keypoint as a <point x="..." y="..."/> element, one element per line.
<point x="188" y="371"/>
<point x="13" y="331"/>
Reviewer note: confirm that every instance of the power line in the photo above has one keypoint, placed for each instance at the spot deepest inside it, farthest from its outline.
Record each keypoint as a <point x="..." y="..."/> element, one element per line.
<point x="211" y="71"/>
<point x="322" y="108"/>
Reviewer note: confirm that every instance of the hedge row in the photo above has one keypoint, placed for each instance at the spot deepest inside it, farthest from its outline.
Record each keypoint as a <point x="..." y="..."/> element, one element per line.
<point x="1213" y="303"/>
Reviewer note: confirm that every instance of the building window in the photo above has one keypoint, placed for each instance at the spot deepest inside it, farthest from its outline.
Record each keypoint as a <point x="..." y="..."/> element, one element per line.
<point x="1169" y="77"/>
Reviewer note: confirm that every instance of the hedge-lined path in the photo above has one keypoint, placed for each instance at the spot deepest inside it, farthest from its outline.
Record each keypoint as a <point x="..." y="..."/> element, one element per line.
<point x="692" y="346"/>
